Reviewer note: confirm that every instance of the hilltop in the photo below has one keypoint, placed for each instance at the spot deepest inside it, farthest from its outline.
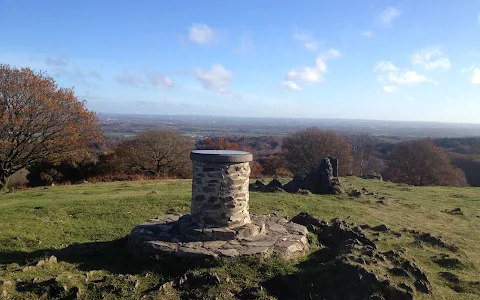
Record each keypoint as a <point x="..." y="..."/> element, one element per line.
<point x="69" y="241"/>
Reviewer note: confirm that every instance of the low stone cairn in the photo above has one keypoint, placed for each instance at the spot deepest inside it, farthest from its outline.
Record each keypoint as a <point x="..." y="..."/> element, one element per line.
<point x="322" y="180"/>
<point x="220" y="224"/>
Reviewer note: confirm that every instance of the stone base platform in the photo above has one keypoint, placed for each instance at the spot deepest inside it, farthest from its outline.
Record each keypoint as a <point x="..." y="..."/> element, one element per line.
<point x="180" y="236"/>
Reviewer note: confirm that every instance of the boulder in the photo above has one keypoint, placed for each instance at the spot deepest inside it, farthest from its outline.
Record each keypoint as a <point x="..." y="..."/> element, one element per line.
<point x="321" y="180"/>
<point x="296" y="184"/>
<point x="258" y="186"/>
<point x="274" y="184"/>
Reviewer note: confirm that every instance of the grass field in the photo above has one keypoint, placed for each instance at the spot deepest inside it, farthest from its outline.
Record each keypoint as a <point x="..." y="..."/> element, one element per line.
<point x="84" y="228"/>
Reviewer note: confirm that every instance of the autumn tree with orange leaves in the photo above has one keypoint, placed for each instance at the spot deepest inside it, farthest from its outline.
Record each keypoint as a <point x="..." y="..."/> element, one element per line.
<point x="40" y="121"/>
<point x="219" y="143"/>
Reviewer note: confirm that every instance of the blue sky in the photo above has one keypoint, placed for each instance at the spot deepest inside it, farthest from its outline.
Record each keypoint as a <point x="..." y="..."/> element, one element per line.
<point x="387" y="60"/>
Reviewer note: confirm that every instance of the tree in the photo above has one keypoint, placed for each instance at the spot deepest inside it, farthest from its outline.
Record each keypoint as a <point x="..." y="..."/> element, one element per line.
<point x="305" y="149"/>
<point x="219" y="143"/>
<point x="364" y="156"/>
<point x="255" y="169"/>
<point x="469" y="164"/>
<point x="275" y="165"/>
<point x="420" y="162"/>
<point x="156" y="152"/>
<point x="361" y="146"/>
<point x="40" y="122"/>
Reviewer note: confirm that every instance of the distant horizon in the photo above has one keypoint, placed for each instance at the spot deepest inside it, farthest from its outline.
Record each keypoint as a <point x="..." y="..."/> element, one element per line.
<point x="287" y="117"/>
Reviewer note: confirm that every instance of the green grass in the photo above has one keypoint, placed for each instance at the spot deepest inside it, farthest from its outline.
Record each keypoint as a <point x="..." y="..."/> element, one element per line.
<point x="84" y="227"/>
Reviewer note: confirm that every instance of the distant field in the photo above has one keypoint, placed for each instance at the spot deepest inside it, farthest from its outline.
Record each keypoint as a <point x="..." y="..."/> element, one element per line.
<point x="84" y="227"/>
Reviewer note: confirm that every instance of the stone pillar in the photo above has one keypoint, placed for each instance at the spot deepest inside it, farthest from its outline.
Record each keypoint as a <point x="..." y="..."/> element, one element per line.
<point x="334" y="163"/>
<point x="220" y="187"/>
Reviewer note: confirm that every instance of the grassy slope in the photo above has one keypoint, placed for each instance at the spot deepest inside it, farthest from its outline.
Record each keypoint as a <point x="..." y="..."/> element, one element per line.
<point x="84" y="225"/>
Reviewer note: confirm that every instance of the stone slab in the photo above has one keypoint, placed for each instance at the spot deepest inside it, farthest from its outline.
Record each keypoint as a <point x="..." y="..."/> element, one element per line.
<point x="279" y="237"/>
<point x="221" y="156"/>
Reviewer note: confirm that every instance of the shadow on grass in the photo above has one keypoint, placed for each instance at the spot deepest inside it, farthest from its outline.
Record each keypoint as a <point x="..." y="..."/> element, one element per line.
<point x="324" y="275"/>
<point x="112" y="256"/>
<point x="311" y="281"/>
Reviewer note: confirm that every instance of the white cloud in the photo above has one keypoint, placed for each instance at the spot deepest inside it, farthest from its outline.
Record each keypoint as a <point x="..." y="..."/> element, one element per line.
<point x="142" y="78"/>
<point x="391" y="76"/>
<point x="216" y="79"/>
<point x="129" y="80"/>
<point x="246" y="45"/>
<point x="321" y="61"/>
<point x="312" y="45"/>
<point x="389" y="15"/>
<point x="476" y="76"/>
<point x="56" y="61"/>
<point x="306" y="74"/>
<point x="289" y="85"/>
<point x="474" y="72"/>
<point x="406" y="77"/>
<point x="158" y="80"/>
<point x="410" y="98"/>
<point x="468" y="70"/>
<point x="310" y="74"/>
<point x="367" y="33"/>
<point x="201" y="34"/>
<point x="389" y="88"/>
<point x="385" y="66"/>
<point x="308" y="40"/>
<point x="431" y="58"/>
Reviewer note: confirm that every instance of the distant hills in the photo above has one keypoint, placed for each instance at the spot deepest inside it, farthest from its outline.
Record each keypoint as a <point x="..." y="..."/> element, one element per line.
<point x="201" y="126"/>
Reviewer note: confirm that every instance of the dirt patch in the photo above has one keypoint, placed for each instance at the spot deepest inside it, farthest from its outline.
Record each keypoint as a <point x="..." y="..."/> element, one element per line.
<point x="428" y="238"/>
<point x="47" y="289"/>
<point x="458" y="285"/>
<point x="450" y="277"/>
<point x="455" y="212"/>
<point x="446" y="261"/>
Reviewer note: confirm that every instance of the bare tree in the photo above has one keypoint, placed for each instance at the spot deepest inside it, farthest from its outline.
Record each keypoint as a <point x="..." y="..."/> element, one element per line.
<point x="420" y="162"/>
<point x="361" y="145"/>
<point x="156" y="152"/>
<point x="363" y="152"/>
<point x="305" y="149"/>
<point x="39" y="121"/>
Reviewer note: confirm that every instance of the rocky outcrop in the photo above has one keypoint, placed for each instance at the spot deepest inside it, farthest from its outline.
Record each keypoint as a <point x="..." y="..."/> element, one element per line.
<point x="296" y="184"/>
<point x="322" y="180"/>
<point x="351" y="260"/>
<point x="334" y="163"/>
